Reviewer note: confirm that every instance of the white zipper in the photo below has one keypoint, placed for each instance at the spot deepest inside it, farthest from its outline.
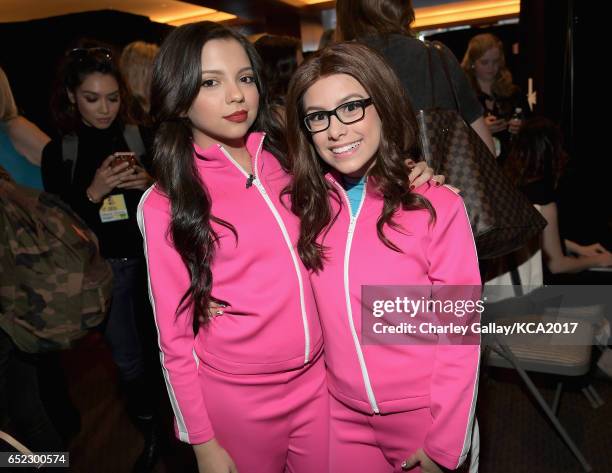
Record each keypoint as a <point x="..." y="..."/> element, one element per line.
<point x="234" y="162"/>
<point x="281" y="224"/>
<point x="347" y="296"/>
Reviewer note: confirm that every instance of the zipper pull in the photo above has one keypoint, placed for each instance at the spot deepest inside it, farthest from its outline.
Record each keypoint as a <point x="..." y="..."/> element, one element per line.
<point x="249" y="181"/>
<point x="352" y="225"/>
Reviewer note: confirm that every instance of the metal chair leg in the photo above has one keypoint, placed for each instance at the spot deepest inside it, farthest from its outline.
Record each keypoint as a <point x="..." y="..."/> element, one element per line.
<point x="507" y="353"/>
<point x="596" y="396"/>
<point x="594" y="404"/>
<point x="557" y="398"/>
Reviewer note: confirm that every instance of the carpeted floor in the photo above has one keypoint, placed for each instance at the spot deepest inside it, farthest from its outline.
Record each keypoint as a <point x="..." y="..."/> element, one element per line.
<point x="515" y="437"/>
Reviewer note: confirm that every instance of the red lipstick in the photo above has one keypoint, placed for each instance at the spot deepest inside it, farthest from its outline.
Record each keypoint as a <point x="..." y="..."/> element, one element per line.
<point x="237" y="117"/>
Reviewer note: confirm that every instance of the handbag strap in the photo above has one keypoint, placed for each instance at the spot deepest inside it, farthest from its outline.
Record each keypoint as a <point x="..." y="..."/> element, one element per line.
<point x="431" y="76"/>
<point x="133" y="139"/>
<point x="438" y="47"/>
<point x="515" y="276"/>
<point x="70" y="151"/>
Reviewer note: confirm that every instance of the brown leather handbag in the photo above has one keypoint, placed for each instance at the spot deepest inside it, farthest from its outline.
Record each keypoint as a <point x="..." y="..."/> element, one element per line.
<point x="502" y="218"/>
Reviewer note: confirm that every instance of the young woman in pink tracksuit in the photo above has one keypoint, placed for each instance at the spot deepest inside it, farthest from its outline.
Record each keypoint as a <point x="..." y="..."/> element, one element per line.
<point x="349" y="129"/>
<point x="247" y="387"/>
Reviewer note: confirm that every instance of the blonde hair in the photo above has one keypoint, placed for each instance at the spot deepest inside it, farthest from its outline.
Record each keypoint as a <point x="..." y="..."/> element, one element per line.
<point x="136" y="65"/>
<point x="477" y="47"/>
<point x="8" y="108"/>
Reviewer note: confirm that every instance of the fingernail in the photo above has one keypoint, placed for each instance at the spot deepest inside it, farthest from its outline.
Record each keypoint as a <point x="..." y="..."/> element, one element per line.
<point x="412" y="187"/>
<point x="437" y="183"/>
<point x="404" y="465"/>
<point x="219" y="312"/>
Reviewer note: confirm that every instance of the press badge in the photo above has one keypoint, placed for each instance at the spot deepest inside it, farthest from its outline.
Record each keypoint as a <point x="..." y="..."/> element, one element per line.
<point x="113" y="209"/>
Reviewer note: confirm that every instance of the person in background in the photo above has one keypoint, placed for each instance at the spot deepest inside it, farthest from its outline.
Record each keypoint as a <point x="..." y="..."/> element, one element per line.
<point x="281" y="55"/>
<point x="484" y="63"/>
<point x="385" y="26"/>
<point x="103" y="187"/>
<point x="23" y="413"/>
<point x="535" y="165"/>
<point x="136" y="64"/>
<point x="21" y="142"/>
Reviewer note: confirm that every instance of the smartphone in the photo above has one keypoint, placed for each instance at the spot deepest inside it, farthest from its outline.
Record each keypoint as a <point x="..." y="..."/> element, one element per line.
<point x="124" y="157"/>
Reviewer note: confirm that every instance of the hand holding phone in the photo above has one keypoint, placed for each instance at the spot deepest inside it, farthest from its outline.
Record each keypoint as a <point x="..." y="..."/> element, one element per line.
<point x="124" y="157"/>
<point x="116" y="169"/>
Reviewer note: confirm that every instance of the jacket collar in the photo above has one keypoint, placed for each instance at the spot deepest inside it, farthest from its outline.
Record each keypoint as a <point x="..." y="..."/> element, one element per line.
<point x="371" y="191"/>
<point x="215" y="157"/>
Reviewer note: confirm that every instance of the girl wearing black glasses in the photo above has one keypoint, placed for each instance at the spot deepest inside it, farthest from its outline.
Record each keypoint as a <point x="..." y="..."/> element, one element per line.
<point x="96" y="167"/>
<point x="394" y="405"/>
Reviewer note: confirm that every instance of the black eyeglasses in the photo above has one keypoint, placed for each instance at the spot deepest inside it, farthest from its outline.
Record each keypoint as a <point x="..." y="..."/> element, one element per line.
<point x="347" y="113"/>
<point x="100" y="53"/>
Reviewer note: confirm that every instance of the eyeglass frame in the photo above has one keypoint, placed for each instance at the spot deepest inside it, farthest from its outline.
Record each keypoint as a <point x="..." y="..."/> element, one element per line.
<point x="364" y="103"/>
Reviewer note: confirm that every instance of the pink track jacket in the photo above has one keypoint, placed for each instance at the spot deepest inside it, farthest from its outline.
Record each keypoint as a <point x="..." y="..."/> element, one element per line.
<point x="271" y="324"/>
<point x="384" y="378"/>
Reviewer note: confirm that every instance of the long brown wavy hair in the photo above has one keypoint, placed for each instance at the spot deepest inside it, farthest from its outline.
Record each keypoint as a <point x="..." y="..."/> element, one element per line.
<point x="310" y="191"/>
<point x="176" y="80"/>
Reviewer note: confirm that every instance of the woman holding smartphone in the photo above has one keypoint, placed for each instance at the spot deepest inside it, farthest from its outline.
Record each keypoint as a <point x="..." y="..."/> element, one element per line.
<point x="504" y="105"/>
<point x="92" y="167"/>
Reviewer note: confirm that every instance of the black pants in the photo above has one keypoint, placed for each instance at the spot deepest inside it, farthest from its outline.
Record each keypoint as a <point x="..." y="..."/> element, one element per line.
<point x="22" y="412"/>
<point x="130" y="333"/>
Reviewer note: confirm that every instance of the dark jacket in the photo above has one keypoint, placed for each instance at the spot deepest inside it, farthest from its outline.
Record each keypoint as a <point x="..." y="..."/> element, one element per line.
<point x="408" y="57"/>
<point x="118" y="239"/>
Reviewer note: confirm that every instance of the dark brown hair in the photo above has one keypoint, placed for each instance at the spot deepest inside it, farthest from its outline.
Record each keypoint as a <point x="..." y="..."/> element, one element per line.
<point x="310" y="191"/>
<point x="357" y="19"/>
<point x="279" y="58"/>
<point x="73" y="71"/>
<point x="175" y="84"/>
<point x="537" y="153"/>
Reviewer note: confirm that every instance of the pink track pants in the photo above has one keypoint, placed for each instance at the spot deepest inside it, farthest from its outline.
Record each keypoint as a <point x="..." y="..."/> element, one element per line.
<point x="271" y="423"/>
<point x="362" y="443"/>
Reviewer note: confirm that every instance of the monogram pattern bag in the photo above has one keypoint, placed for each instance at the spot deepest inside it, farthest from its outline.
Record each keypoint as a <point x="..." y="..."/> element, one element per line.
<point x="502" y="218"/>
